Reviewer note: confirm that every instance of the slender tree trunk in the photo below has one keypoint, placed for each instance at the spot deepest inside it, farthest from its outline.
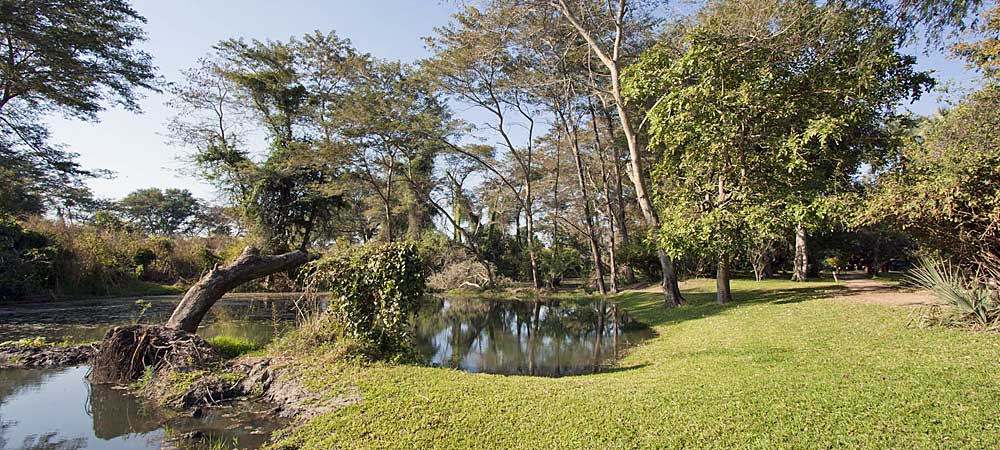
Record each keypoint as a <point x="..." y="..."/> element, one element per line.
<point x="801" y="266"/>
<point x="457" y="214"/>
<point x="627" y="271"/>
<point x="530" y="231"/>
<point x="723" y="294"/>
<point x="569" y="126"/>
<point x="609" y="209"/>
<point x="588" y="216"/>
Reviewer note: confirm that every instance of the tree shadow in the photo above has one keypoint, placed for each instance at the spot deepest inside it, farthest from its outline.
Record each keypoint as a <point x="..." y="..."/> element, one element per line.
<point x="648" y="307"/>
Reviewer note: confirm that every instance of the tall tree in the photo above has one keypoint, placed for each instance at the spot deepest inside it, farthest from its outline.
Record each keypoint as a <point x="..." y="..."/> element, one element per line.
<point x="71" y="57"/>
<point x="290" y="92"/>
<point x="774" y="104"/>
<point x="942" y="188"/>
<point x="161" y="211"/>
<point x="476" y="62"/>
<point x="396" y="125"/>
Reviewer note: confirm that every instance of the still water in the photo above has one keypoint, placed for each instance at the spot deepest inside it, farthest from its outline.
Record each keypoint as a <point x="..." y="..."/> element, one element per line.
<point x="255" y="317"/>
<point x="58" y="409"/>
<point x="524" y="338"/>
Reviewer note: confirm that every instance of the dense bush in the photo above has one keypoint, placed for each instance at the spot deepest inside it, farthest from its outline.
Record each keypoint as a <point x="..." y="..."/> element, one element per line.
<point x="26" y="259"/>
<point x="642" y="258"/>
<point x="374" y="290"/>
<point x="41" y="258"/>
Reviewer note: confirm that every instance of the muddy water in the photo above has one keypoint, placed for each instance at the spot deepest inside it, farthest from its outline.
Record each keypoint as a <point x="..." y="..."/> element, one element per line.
<point x="524" y="338"/>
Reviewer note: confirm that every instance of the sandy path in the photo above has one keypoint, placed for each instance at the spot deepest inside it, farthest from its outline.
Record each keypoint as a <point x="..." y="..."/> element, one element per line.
<point x="867" y="290"/>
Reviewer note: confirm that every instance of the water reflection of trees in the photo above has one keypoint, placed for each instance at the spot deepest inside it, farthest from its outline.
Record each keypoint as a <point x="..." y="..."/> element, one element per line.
<point x="116" y="413"/>
<point x="13" y="382"/>
<point x="510" y="337"/>
<point x="48" y="441"/>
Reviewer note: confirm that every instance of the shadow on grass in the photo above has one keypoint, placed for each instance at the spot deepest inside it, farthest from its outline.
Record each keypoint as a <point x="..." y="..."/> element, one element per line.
<point x="648" y="307"/>
<point x="616" y="369"/>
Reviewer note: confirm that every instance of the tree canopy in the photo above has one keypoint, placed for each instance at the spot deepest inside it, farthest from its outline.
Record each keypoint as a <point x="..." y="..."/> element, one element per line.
<point x="69" y="57"/>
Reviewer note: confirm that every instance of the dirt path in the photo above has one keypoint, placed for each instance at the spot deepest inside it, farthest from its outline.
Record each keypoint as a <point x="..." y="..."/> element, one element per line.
<point x="867" y="290"/>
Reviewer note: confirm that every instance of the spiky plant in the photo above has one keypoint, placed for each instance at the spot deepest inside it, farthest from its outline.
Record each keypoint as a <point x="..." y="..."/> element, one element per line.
<point x="972" y="299"/>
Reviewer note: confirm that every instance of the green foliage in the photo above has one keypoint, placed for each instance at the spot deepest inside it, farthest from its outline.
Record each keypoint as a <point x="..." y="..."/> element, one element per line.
<point x="161" y="212"/>
<point x="984" y="55"/>
<point x="768" y="112"/>
<point x="233" y="347"/>
<point x="374" y="289"/>
<point x="558" y="262"/>
<point x="642" y="257"/>
<point x="944" y="190"/>
<point x="68" y="57"/>
<point x="141" y="307"/>
<point x="26" y="261"/>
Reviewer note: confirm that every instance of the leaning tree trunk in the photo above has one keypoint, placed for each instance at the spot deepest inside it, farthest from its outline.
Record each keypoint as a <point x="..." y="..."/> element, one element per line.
<point x="801" y="268"/>
<point x="250" y="265"/>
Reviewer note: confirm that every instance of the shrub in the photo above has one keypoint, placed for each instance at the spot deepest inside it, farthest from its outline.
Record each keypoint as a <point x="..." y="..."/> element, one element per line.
<point x="642" y="258"/>
<point x="459" y="274"/>
<point x="374" y="290"/>
<point x="26" y="259"/>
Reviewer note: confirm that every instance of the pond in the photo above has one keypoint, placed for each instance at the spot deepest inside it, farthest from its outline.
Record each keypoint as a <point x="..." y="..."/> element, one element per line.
<point x="254" y="317"/>
<point x="59" y="409"/>
<point x="56" y="409"/>
<point x="524" y="338"/>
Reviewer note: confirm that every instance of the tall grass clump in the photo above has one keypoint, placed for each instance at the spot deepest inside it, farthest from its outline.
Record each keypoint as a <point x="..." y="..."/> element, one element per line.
<point x="232" y="347"/>
<point x="972" y="300"/>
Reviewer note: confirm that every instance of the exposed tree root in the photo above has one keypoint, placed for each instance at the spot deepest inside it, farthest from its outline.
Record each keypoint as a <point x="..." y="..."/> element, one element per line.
<point x="127" y="351"/>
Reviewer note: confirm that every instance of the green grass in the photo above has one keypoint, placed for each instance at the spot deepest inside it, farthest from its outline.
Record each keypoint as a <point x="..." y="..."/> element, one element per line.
<point x="232" y="347"/>
<point x="786" y="366"/>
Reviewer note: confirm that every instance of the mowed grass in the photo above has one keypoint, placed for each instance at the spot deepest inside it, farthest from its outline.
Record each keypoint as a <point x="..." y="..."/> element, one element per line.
<point x="786" y="366"/>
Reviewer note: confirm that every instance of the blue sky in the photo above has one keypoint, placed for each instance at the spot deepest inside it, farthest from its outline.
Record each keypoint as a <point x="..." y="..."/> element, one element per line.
<point x="181" y="31"/>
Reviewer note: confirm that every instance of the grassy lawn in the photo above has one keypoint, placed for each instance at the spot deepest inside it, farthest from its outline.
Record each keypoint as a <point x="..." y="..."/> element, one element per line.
<point x="784" y="367"/>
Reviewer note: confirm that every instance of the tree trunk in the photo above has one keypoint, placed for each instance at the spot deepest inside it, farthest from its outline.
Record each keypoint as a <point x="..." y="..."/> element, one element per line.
<point x="671" y="292"/>
<point x="250" y="265"/>
<point x="801" y="268"/>
<point x="530" y="231"/>
<point x="619" y="194"/>
<point x="588" y="209"/>
<point x="723" y="294"/>
<point x="609" y="209"/>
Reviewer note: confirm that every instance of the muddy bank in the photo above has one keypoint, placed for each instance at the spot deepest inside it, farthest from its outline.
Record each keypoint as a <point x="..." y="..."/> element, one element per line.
<point x="258" y="378"/>
<point x="18" y="356"/>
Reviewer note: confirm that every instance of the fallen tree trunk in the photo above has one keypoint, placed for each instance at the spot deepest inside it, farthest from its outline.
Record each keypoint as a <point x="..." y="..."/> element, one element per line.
<point x="250" y="265"/>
